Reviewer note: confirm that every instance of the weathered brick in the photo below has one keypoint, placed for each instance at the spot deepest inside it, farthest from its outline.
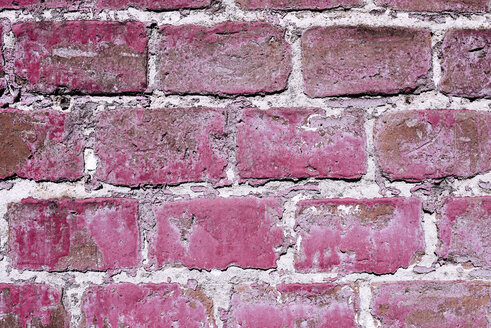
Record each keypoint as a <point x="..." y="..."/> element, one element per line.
<point x="436" y="5"/>
<point x="153" y="4"/>
<point x="301" y="142"/>
<point x="32" y="305"/>
<point x="40" y="145"/>
<point x="432" y="304"/>
<point x="158" y="146"/>
<point x="67" y="234"/>
<point x="350" y="60"/>
<point x="466" y="63"/>
<point x="217" y="233"/>
<point x="35" y="4"/>
<point x="298" y="4"/>
<point x="425" y="144"/>
<point x="92" y="57"/>
<point x="229" y="58"/>
<point x="293" y="305"/>
<point x="3" y="84"/>
<point x="146" y="305"/>
<point x="376" y="235"/>
<point x="464" y="230"/>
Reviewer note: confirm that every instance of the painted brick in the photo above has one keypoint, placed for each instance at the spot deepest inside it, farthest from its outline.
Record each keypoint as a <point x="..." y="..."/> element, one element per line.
<point x="146" y="305"/>
<point x="345" y="60"/>
<point x="466" y="63"/>
<point x="298" y="4"/>
<point x="3" y="84"/>
<point x="32" y="305"/>
<point x="227" y="59"/>
<point x="293" y="305"/>
<point x="376" y="235"/>
<point x="92" y="57"/>
<point x="157" y="146"/>
<point x="35" y="4"/>
<point x="464" y="230"/>
<point x="432" y="144"/>
<point x="436" y="5"/>
<point x="217" y="233"/>
<point x="40" y="145"/>
<point x="153" y="4"/>
<point x="67" y="234"/>
<point x="301" y="142"/>
<point x="432" y="304"/>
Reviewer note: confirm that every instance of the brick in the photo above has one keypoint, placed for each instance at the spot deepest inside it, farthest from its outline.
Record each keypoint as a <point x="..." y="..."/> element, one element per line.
<point x="432" y="304"/>
<point x="301" y="142"/>
<point x="376" y="235"/>
<point x="227" y="59"/>
<point x="293" y="305"/>
<point x="38" y="4"/>
<point x="466" y="63"/>
<point x="351" y="60"/>
<point x="67" y="234"/>
<point x="435" y="5"/>
<point x="40" y="145"/>
<point x="3" y="83"/>
<point x="93" y="57"/>
<point x="153" y="4"/>
<point x="32" y="305"/>
<point x="464" y="230"/>
<point x="217" y="233"/>
<point x="432" y="144"/>
<point x="146" y="305"/>
<point x="298" y="4"/>
<point x="157" y="146"/>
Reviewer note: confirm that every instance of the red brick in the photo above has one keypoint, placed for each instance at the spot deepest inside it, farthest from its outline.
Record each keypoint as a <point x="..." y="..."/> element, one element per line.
<point x="350" y="60"/>
<point x="376" y="235"/>
<point x="40" y="145"/>
<point x="153" y="4"/>
<point x="146" y="305"/>
<point x="464" y="230"/>
<point x="229" y="58"/>
<point x="301" y="142"/>
<point x="92" y="57"/>
<point x="67" y="234"/>
<point x="435" y="5"/>
<point x="41" y="4"/>
<point x="432" y="144"/>
<point x="466" y="63"/>
<point x="432" y="304"/>
<point x="298" y="4"/>
<point x="3" y="84"/>
<point x="157" y="146"/>
<point x="32" y="305"/>
<point x="293" y="305"/>
<point x="217" y="233"/>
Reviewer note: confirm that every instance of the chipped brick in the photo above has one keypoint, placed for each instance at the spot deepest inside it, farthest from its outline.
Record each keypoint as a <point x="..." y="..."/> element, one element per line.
<point x="298" y="4"/>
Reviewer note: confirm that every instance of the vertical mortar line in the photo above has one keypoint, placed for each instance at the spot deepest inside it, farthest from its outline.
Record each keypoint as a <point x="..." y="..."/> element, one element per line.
<point x="436" y="40"/>
<point x="430" y="233"/>
<point x="153" y="59"/>
<point x="366" y="318"/>
<point x="369" y="124"/>
<point x="295" y="87"/>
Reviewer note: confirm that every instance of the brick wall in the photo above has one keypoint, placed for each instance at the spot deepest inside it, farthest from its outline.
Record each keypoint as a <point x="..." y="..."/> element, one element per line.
<point x="245" y="163"/>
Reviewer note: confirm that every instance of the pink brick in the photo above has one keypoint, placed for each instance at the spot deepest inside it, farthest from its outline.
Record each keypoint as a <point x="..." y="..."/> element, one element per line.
<point x="432" y="304"/>
<point x="92" y="57"/>
<point x="217" y="233"/>
<point x="432" y="144"/>
<point x="376" y="235"/>
<point x="40" y="145"/>
<point x="466" y="63"/>
<point x="32" y="305"/>
<point x="464" y="230"/>
<point x="345" y="60"/>
<point x="301" y="142"/>
<point x="146" y="305"/>
<point x="229" y="58"/>
<point x="3" y="84"/>
<point x="156" y="146"/>
<point x="436" y="5"/>
<point x="302" y="305"/>
<point x="298" y="4"/>
<point x="153" y="4"/>
<point x="38" y="4"/>
<point x="67" y="234"/>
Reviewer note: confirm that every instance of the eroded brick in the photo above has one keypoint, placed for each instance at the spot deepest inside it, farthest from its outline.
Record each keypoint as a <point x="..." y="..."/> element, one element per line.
<point x="301" y="142"/>
<point x="38" y="4"/>
<point x="217" y="233"/>
<point x="466" y="63"/>
<point x="229" y="58"/>
<point x="3" y="83"/>
<point x="92" y="57"/>
<point x="40" y="145"/>
<point x="146" y="305"/>
<point x="32" y="305"/>
<point x="156" y="146"/>
<point x="436" y="5"/>
<point x="293" y="305"/>
<point x="298" y="4"/>
<point x="67" y="234"/>
<point x="376" y="235"/>
<point x="345" y="60"/>
<point x="432" y="144"/>
<point x="153" y="4"/>
<point x="432" y="304"/>
<point x="464" y="230"/>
